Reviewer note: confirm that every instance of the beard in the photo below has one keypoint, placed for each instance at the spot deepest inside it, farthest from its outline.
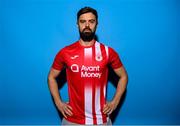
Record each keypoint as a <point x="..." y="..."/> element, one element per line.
<point x="87" y="34"/>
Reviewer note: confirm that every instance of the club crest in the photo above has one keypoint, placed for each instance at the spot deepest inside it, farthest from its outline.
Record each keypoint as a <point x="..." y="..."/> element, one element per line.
<point x="98" y="58"/>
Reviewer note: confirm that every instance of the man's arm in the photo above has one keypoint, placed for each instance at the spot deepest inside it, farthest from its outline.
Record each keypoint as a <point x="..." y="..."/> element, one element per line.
<point x="121" y="87"/>
<point x="64" y="108"/>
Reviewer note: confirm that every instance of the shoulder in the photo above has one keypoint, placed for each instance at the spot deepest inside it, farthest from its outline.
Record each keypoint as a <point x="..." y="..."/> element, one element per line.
<point x="108" y="48"/>
<point x="101" y="45"/>
<point x="68" y="48"/>
<point x="71" y="46"/>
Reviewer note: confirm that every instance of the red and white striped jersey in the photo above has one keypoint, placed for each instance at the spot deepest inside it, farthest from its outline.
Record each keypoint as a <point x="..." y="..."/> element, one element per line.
<point x="87" y="74"/>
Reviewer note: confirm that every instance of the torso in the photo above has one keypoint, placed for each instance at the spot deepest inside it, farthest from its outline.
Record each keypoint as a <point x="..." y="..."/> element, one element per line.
<point x="87" y="72"/>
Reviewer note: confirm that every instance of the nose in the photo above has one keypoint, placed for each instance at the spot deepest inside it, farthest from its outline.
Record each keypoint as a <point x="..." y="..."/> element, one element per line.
<point x="87" y="24"/>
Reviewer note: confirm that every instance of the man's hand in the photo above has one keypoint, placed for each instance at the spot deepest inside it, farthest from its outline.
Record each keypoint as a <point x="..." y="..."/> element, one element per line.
<point x="109" y="107"/>
<point x="65" y="109"/>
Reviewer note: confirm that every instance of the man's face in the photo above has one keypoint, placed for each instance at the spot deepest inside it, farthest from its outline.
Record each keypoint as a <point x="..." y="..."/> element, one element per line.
<point x="87" y="26"/>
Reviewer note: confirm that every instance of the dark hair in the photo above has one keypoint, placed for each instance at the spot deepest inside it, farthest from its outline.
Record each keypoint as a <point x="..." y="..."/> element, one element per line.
<point x="86" y="10"/>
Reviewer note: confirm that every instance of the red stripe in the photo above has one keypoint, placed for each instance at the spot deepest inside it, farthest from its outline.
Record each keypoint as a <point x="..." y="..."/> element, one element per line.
<point x="93" y="106"/>
<point x="83" y="82"/>
<point x="94" y="89"/>
<point x="102" y="99"/>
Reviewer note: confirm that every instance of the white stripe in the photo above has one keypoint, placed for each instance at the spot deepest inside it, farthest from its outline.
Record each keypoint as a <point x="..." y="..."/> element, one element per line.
<point x="98" y="106"/>
<point x="104" y="91"/>
<point x="88" y="91"/>
<point x="107" y="51"/>
<point x="98" y="54"/>
<point x="87" y="53"/>
<point x="88" y="106"/>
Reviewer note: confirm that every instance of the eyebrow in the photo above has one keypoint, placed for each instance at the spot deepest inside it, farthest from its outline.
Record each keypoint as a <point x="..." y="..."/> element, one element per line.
<point x="87" y="20"/>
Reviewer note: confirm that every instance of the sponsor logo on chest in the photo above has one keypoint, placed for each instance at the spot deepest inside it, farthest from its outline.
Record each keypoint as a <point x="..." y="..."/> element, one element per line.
<point x="87" y="71"/>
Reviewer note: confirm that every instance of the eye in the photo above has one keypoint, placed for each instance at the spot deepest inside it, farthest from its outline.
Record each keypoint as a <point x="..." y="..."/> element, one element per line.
<point x="82" y="21"/>
<point x="92" y="21"/>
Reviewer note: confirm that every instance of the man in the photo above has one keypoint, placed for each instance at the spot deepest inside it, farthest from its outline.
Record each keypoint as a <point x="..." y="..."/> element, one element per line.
<point x="86" y="62"/>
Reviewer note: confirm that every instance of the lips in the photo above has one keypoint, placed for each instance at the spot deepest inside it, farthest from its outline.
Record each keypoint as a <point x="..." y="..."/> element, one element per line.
<point x="87" y="30"/>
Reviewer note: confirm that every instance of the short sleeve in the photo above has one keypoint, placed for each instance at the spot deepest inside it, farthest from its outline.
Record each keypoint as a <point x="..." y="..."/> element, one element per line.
<point x="58" y="63"/>
<point x="114" y="60"/>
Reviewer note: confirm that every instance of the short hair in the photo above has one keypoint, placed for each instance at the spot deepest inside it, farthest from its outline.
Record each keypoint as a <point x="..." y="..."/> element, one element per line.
<point x="87" y="10"/>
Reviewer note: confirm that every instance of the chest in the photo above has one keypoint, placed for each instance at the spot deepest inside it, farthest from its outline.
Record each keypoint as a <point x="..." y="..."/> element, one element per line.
<point x="87" y="59"/>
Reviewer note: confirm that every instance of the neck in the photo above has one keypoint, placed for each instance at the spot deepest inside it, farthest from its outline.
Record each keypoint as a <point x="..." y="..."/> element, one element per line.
<point x="86" y="43"/>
